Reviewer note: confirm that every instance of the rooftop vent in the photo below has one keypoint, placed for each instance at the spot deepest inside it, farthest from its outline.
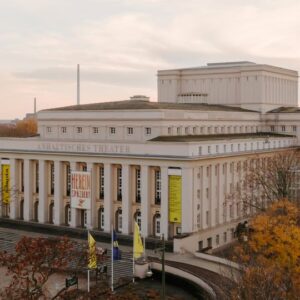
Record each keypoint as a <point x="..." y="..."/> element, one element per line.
<point x="140" y="98"/>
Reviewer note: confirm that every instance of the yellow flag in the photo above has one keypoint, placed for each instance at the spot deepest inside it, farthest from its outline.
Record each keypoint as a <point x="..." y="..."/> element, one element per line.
<point x="138" y="248"/>
<point x="5" y="184"/>
<point x="92" y="252"/>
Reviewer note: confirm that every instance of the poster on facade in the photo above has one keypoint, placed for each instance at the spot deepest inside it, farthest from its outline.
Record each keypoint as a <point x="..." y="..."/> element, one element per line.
<point x="81" y="190"/>
<point x="5" y="183"/>
<point x="175" y="198"/>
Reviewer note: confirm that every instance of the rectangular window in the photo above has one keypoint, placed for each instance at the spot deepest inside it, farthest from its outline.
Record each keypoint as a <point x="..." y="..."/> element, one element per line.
<point x="148" y="130"/>
<point x="169" y="130"/>
<point x="79" y="129"/>
<point x="138" y="185"/>
<point x="224" y="148"/>
<point x="129" y="130"/>
<point x="217" y="148"/>
<point x="49" y="129"/>
<point x="217" y="239"/>
<point x="194" y="130"/>
<point x="119" y="184"/>
<point x="294" y="128"/>
<point x="101" y="183"/>
<point x="157" y="187"/>
<point x="36" y="177"/>
<point x="68" y="175"/>
<point x="64" y="129"/>
<point x="283" y="128"/>
<point x="200" y="150"/>
<point x="52" y="178"/>
<point x="208" y="149"/>
<point x="186" y="130"/>
<point x="112" y="130"/>
<point x="95" y="130"/>
<point x="272" y="128"/>
<point x="225" y="237"/>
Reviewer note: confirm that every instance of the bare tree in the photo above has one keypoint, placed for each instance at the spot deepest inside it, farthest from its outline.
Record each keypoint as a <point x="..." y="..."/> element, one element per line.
<point x="264" y="180"/>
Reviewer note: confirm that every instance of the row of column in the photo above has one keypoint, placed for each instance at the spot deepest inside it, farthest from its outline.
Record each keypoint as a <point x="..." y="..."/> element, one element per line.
<point x="126" y="204"/>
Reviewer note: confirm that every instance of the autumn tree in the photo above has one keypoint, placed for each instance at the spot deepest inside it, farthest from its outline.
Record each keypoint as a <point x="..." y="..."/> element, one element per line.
<point x="271" y="256"/>
<point x="32" y="263"/>
<point x="23" y="128"/>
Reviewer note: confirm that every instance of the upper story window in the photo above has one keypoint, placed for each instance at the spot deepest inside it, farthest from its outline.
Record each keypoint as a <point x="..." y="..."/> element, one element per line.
<point x="294" y="128"/>
<point x="186" y="130"/>
<point x="49" y="129"/>
<point x="272" y="128"/>
<point x="178" y="130"/>
<point x="169" y="130"/>
<point x="148" y="130"/>
<point x="208" y="149"/>
<point x="129" y="130"/>
<point x="194" y="130"/>
<point x="283" y="128"/>
<point x="64" y="129"/>
<point x="112" y="130"/>
<point x="79" y="129"/>
<point x="95" y="130"/>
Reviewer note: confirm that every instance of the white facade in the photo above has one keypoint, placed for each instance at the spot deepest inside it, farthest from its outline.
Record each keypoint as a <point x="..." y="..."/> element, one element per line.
<point x="132" y="147"/>
<point x="244" y="84"/>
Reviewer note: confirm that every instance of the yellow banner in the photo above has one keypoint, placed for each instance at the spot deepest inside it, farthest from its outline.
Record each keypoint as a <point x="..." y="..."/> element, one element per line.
<point x="138" y="247"/>
<point x="175" y="198"/>
<point x="5" y="184"/>
<point x="92" y="252"/>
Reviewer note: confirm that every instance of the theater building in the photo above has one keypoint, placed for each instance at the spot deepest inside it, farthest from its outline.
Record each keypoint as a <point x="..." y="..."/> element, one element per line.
<point x="168" y="164"/>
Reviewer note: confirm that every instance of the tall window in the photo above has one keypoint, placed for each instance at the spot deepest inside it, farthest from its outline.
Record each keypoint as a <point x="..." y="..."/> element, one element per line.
<point x="101" y="183"/>
<point x="79" y="129"/>
<point x="112" y="130"/>
<point x="68" y="171"/>
<point x="49" y="129"/>
<point x="157" y="187"/>
<point x="138" y="185"/>
<point x="52" y="178"/>
<point x="37" y="177"/>
<point x="119" y="184"/>
<point x="64" y="129"/>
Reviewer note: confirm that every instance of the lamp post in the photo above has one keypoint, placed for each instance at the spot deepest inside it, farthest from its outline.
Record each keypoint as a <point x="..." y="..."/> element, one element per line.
<point x="163" y="274"/>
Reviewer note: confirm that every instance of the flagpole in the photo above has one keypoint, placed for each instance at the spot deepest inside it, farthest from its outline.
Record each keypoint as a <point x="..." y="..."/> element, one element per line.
<point x="88" y="271"/>
<point x="112" y="258"/>
<point x="133" y="265"/>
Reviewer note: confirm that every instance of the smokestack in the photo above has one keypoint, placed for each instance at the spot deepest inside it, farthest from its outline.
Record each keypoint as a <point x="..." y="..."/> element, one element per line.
<point x="34" y="106"/>
<point x="78" y="84"/>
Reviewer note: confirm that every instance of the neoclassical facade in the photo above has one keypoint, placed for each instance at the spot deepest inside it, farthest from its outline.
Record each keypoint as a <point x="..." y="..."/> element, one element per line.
<point x="132" y="148"/>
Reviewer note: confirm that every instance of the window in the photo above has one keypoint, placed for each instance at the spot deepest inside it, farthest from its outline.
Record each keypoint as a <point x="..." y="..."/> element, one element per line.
<point x="207" y="217"/>
<point x="178" y="130"/>
<point x="51" y="178"/>
<point x="79" y="129"/>
<point x="95" y="130"/>
<point x="112" y="130"/>
<point x="294" y="128"/>
<point x="129" y="130"/>
<point x="224" y="148"/>
<point x="225" y="237"/>
<point x="200" y="150"/>
<point x="209" y="242"/>
<point x="217" y="148"/>
<point x="138" y="185"/>
<point x="283" y="128"/>
<point x="272" y="128"/>
<point x="148" y="130"/>
<point x="101" y="183"/>
<point x="49" y="129"/>
<point x="169" y="130"/>
<point x="217" y="239"/>
<point x="64" y="129"/>
<point x="157" y="187"/>
<point x="186" y="130"/>
<point x="194" y="130"/>
<point x="208" y="149"/>
<point x="68" y="171"/>
<point x="231" y="147"/>
<point x="119" y="184"/>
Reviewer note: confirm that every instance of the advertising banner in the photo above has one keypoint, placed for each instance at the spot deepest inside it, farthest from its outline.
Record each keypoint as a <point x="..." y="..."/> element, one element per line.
<point x="175" y="198"/>
<point x="5" y="184"/>
<point x="81" y="190"/>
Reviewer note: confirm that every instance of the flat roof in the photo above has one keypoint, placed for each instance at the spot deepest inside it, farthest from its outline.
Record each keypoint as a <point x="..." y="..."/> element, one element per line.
<point x="145" y="105"/>
<point x="285" y="109"/>
<point x="209" y="137"/>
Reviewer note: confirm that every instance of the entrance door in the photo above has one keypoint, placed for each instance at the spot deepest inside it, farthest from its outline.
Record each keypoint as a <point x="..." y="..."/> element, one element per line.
<point x="157" y="231"/>
<point x="36" y="211"/>
<point x="83" y="218"/>
<point x="22" y="209"/>
<point x="101" y="218"/>
<point x="51" y="213"/>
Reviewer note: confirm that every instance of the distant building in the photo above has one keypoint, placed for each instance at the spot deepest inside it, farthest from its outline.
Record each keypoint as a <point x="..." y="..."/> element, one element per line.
<point x="167" y="164"/>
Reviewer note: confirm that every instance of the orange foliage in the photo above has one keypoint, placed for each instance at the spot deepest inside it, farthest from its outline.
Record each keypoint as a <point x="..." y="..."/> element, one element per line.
<point x="24" y="128"/>
<point x="271" y="258"/>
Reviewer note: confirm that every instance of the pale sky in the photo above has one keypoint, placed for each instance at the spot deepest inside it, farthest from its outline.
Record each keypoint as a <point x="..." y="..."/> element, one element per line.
<point x="120" y="44"/>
